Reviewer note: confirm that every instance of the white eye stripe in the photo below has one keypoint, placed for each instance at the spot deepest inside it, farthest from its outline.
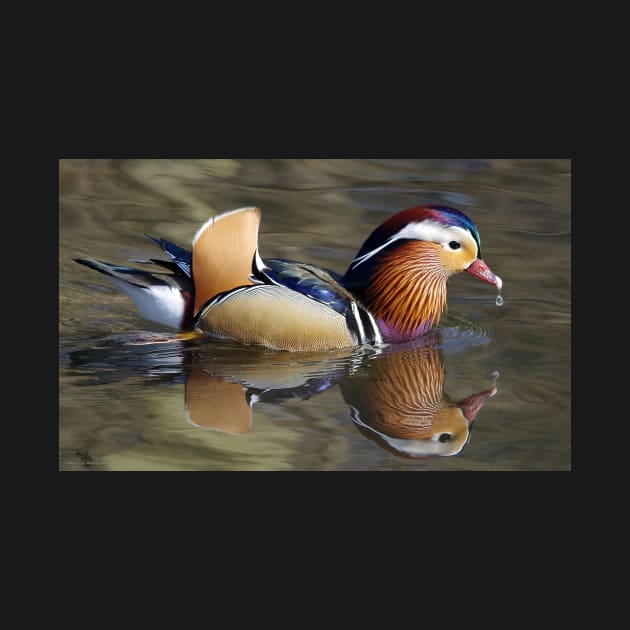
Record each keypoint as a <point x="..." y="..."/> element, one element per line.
<point x="429" y="231"/>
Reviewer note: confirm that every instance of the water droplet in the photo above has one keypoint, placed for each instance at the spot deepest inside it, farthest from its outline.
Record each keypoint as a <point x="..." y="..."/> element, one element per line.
<point x="499" y="285"/>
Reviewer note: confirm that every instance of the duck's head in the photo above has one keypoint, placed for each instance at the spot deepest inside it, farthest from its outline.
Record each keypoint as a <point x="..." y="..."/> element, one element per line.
<point x="401" y="271"/>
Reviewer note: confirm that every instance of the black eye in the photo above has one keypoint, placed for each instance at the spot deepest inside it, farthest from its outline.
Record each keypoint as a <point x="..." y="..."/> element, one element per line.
<point x="454" y="245"/>
<point x="445" y="437"/>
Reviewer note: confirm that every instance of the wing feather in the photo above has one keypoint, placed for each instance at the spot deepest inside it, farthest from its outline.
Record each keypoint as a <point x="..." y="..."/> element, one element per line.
<point x="223" y="251"/>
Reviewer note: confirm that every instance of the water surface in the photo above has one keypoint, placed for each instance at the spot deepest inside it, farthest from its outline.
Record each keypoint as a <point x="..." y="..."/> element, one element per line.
<point x="134" y="397"/>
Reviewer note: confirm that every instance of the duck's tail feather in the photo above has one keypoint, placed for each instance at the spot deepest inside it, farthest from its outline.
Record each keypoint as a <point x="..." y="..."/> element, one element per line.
<point x="181" y="257"/>
<point x="163" y="298"/>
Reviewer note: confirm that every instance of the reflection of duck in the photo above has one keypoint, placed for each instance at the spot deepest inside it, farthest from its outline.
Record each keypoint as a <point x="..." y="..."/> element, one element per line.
<point x="396" y="397"/>
<point x="394" y="290"/>
<point x="399" y="402"/>
<point x="221" y="397"/>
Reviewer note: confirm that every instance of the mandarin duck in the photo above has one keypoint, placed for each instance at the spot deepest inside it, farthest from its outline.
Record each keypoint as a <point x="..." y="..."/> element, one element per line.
<point x="394" y="289"/>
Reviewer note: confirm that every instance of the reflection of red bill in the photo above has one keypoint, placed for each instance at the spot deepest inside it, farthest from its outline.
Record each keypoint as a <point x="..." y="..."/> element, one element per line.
<point x="470" y="406"/>
<point x="480" y="270"/>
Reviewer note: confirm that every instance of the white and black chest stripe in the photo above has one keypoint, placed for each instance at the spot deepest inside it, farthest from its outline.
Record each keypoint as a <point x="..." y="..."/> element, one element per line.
<point x="363" y="325"/>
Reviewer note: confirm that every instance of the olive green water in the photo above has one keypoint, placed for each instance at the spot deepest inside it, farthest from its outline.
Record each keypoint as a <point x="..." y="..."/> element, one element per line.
<point x="134" y="397"/>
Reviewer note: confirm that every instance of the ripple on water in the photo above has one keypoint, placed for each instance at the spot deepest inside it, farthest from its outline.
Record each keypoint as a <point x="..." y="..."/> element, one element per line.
<point x="121" y="356"/>
<point x="459" y="335"/>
